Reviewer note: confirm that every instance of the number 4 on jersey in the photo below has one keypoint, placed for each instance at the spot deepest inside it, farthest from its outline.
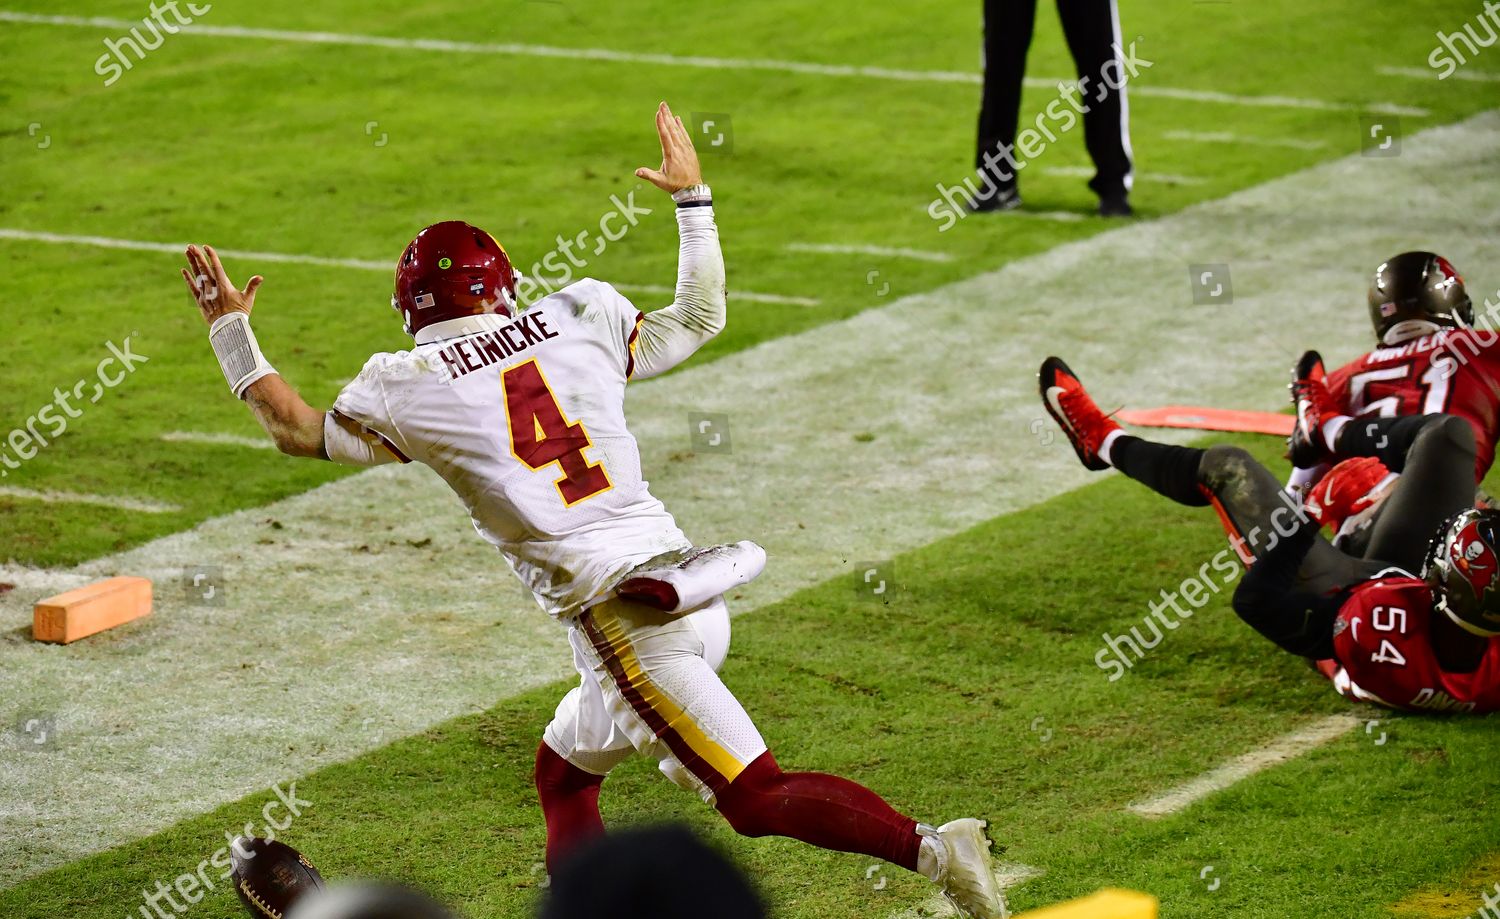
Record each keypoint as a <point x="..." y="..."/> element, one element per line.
<point x="541" y="435"/>
<point x="1388" y="619"/>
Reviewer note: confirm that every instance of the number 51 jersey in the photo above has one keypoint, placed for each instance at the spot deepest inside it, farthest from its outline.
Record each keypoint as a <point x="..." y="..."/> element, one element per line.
<point x="1455" y="371"/>
<point x="524" y="419"/>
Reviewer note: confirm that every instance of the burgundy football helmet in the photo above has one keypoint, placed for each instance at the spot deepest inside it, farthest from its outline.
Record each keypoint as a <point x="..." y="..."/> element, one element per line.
<point x="452" y="270"/>
<point x="1463" y="568"/>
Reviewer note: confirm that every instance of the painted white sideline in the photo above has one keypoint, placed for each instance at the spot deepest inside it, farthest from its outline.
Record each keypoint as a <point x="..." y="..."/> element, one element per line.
<point x="672" y="60"/>
<point x="1427" y="73"/>
<point x="138" y="245"/>
<point x="388" y="268"/>
<point x="1087" y="172"/>
<point x="1282" y="749"/>
<point x="117" y="502"/>
<point x="1058" y="216"/>
<point x="218" y="440"/>
<point x="366" y="610"/>
<point x="1244" y="140"/>
<point x="920" y="255"/>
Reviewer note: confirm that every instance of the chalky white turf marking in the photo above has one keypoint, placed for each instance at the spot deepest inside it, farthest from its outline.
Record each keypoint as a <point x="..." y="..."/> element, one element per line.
<point x="734" y="294"/>
<point x="218" y="440"/>
<point x="1243" y="140"/>
<point x="69" y="497"/>
<point x="1087" y="172"/>
<point x="921" y="255"/>
<point x="1427" y="73"/>
<point x="1059" y="216"/>
<point x="1284" y="748"/>
<point x="137" y="245"/>
<point x="672" y="60"/>
<point x="388" y="268"/>
<point x="366" y="610"/>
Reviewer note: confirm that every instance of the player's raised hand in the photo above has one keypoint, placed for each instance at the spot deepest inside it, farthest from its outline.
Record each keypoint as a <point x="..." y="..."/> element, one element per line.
<point x="211" y="288"/>
<point x="679" y="161"/>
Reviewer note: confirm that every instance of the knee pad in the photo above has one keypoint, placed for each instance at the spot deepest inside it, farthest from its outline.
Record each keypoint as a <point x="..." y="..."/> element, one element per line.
<point x="1453" y="431"/>
<point x="1223" y="464"/>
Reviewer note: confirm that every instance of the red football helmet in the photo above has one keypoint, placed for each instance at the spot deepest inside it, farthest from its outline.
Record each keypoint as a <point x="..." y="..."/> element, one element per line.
<point x="451" y="270"/>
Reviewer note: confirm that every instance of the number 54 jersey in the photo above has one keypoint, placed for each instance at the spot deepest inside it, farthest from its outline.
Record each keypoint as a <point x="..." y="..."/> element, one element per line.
<point x="524" y="418"/>
<point x="1383" y="648"/>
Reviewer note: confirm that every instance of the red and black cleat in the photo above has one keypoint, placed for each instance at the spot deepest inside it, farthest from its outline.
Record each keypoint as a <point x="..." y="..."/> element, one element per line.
<point x="1306" y="447"/>
<point x="1074" y="411"/>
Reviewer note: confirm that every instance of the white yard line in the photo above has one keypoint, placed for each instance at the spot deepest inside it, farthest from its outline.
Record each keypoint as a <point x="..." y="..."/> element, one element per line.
<point x="1281" y="750"/>
<point x="1059" y="216"/>
<point x="366" y="610"/>
<point x="1087" y="172"/>
<point x="734" y="294"/>
<point x="1315" y="105"/>
<point x="672" y="60"/>
<point x="218" y="440"/>
<point x="69" y="497"/>
<point x="1427" y="73"/>
<point x="1242" y="140"/>
<point x="137" y="245"/>
<point x="920" y="255"/>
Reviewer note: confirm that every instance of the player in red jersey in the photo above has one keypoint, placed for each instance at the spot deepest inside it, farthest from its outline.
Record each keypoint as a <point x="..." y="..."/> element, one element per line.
<point x="1431" y="358"/>
<point x="1381" y="633"/>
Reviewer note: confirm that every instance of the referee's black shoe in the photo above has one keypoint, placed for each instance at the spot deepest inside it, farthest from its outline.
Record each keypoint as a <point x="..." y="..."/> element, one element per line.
<point x="1116" y="206"/>
<point x="1001" y="199"/>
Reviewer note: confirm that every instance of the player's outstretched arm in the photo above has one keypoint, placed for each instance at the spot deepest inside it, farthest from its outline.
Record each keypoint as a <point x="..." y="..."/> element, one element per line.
<point x="670" y="335"/>
<point x="295" y="426"/>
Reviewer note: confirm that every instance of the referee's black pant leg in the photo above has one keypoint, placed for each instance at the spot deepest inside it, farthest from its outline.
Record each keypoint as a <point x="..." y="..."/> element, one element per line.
<point x="1007" y="36"/>
<point x="1258" y="513"/>
<point x="1092" y="28"/>
<point x="1436" y="483"/>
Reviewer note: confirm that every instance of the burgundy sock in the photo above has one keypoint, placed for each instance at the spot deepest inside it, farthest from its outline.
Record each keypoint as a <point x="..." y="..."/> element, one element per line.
<point x="823" y="810"/>
<point x="570" y="804"/>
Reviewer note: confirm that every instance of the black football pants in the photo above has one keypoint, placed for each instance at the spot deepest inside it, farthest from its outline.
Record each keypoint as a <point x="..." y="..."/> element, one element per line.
<point x="1433" y="453"/>
<point x="1092" y="31"/>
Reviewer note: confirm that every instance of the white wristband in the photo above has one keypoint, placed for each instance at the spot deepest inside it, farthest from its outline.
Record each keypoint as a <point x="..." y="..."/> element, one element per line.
<point x="239" y="353"/>
<point x="694" y="196"/>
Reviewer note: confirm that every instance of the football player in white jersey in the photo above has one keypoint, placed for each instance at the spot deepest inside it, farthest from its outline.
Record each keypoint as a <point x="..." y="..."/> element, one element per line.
<point x="521" y="412"/>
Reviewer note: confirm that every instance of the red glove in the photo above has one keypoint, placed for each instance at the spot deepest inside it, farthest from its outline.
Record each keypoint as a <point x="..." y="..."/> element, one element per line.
<point x="1349" y="489"/>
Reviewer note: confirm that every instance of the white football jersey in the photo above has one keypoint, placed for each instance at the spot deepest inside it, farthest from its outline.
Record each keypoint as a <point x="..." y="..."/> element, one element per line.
<point x="524" y="419"/>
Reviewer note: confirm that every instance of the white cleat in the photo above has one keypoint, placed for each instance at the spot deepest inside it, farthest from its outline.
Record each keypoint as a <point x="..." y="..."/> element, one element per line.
<point x="966" y="875"/>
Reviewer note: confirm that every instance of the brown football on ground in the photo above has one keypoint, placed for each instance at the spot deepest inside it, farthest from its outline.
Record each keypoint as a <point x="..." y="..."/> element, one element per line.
<point x="270" y="876"/>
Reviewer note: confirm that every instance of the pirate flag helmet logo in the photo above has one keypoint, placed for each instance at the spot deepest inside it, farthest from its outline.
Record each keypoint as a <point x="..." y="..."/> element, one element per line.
<point x="1463" y="568"/>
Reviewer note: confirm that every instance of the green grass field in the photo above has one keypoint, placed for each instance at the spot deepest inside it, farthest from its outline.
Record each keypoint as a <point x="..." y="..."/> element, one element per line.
<point x="974" y="689"/>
